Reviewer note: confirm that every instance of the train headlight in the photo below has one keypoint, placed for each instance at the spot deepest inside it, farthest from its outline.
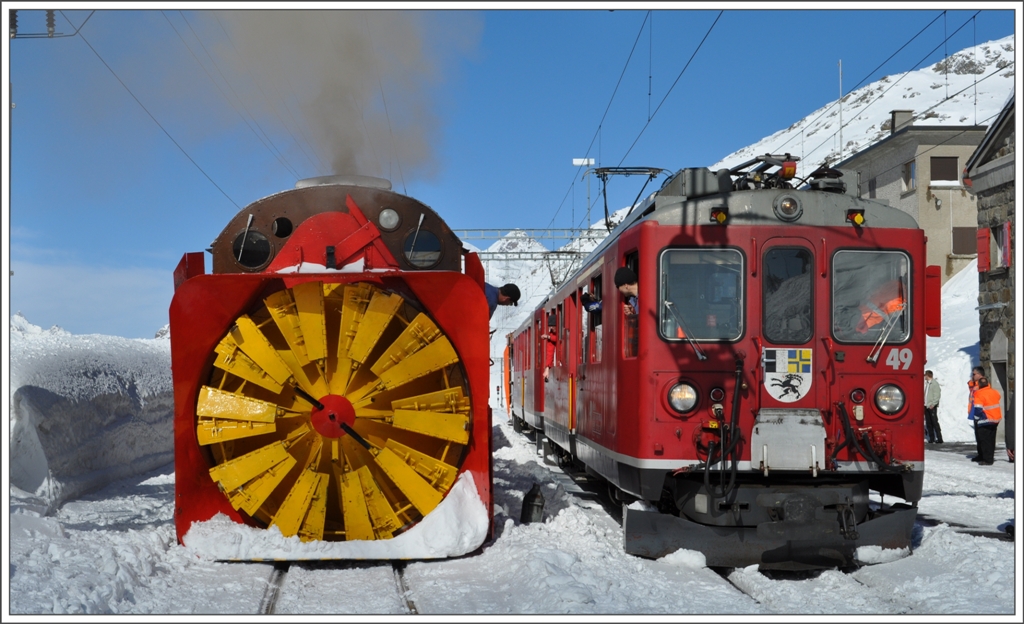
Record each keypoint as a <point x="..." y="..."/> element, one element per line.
<point x="889" y="399"/>
<point x="388" y="219"/>
<point x="682" y="397"/>
<point x="788" y="208"/>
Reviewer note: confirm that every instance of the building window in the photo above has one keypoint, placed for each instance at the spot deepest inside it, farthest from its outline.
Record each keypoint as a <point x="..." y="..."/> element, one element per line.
<point x="909" y="176"/>
<point x="994" y="248"/>
<point x="872" y="188"/>
<point x="944" y="168"/>
<point x="999" y="251"/>
<point x="965" y="241"/>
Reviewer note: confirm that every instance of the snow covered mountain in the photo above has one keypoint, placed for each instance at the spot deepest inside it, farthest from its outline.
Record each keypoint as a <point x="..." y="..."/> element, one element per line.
<point x="968" y="88"/>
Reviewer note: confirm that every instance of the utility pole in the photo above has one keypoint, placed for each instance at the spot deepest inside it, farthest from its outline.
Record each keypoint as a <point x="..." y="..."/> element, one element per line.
<point x="840" y="110"/>
<point x="585" y="162"/>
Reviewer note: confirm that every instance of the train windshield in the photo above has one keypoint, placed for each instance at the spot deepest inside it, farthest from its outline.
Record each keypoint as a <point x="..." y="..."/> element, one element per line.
<point x="787" y="295"/>
<point x="701" y="294"/>
<point x="871" y="296"/>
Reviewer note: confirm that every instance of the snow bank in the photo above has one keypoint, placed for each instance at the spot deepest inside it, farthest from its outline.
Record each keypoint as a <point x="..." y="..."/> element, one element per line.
<point x="455" y="527"/>
<point x="86" y="410"/>
<point x="951" y="356"/>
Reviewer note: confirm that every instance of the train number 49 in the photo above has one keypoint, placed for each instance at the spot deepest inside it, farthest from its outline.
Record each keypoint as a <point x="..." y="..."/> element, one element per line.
<point x="899" y="356"/>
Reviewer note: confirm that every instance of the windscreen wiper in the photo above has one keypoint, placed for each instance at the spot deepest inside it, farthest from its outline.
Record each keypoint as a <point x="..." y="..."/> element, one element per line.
<point x="890" y="322"/>
<point x="686" y="330"/>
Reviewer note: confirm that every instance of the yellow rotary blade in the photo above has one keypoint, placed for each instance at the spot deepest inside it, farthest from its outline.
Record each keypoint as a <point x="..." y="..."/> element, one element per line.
<point x="233" y="360"/>
<point x="378" y="315"/>
<point x="307" y="498"/>
<point x="453" y="427"/>
<point x="352" y="301"/>
<point x="430" y="358"/>
<point x="353" y="506"/>
<point x="446" y="400"/>
<point x="220" y="404"/>
<point x="416" y="489"/>
<point x="439" y="474"/>
<point x="416" y="335"/>
<point x="253" y="343"/>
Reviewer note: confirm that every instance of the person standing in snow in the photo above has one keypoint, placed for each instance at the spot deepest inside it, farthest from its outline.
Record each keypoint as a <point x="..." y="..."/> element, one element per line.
<point x="505" y="295"/>
<point x="972" y="385"/>
<point x="987" y="415"/>
<point x="932" y="391"/>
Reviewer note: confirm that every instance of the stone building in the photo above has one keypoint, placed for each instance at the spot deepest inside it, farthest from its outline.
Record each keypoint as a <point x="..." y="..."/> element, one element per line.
<point x="990" y="175"/>
<point x="917" y="169"/>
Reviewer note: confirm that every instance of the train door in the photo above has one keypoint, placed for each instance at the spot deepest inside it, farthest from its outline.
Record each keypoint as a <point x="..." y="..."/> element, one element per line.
<point x="571" y="347"/>
<point x="537" y="375"/>
<point x="790" y="389"/>
<point x="590" y="391"/>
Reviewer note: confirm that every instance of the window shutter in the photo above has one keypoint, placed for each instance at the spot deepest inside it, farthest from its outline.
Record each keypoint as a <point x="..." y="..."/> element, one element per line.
<point x="1007" y="251"/>
<point x="983" y="255"/>
<point x="933" y="300"/>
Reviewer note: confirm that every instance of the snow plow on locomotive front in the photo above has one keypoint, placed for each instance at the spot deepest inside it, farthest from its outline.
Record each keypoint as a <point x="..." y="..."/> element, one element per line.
<point x="330" y="381"/>
<point x="764" y="398"/>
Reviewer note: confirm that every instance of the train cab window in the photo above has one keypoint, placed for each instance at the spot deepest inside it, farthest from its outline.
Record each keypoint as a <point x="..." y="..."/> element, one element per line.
<point x="251" y="249"/>
<point x="787" y="295"/>
<point x="422" y="249"/>
<point x="701" y="294"/>
<point x="871" y="296"/>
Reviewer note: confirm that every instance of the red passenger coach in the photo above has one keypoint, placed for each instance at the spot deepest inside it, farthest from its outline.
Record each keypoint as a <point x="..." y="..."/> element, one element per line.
<point x="770" y="380"/>
<point x="330" y="374"/>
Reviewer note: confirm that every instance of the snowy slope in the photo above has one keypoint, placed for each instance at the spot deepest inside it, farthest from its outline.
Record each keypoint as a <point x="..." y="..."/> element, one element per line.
<point x="972" y="92"/>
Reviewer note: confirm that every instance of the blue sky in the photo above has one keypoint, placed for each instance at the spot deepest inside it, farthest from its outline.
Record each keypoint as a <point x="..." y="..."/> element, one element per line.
<point x="481" y="115"/>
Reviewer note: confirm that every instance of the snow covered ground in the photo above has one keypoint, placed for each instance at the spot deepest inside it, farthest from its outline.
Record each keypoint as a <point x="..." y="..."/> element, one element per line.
<point x="114" y="550"/>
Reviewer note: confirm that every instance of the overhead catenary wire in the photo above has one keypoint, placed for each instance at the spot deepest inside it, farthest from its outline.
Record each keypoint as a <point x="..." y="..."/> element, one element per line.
<point x="151" y="116"/>
<point x="869" y="104"/>
<point x="387" y="115"/>
<point x="674" y="83"/>
<point x="922" y="114"/>
<point x="258" y="86"/>
<point x="611" y="99"/>
<point x="778" y="149"/>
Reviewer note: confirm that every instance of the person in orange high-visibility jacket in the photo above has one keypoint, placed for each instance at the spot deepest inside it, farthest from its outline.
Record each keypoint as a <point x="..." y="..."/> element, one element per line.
<point x="987" y="414"/>
<point x="885" y="301"/>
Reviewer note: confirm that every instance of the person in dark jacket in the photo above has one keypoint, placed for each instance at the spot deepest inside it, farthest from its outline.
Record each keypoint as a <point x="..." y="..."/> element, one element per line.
<point x="626" y="283"/>
<point x="505" y="295"/>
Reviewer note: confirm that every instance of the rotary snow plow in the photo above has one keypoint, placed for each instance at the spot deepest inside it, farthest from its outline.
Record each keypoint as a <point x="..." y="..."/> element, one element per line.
<point x="330" y="378"/>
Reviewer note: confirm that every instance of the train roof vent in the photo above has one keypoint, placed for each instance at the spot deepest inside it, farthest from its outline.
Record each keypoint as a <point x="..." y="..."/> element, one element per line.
<point x="346" y="180"/>
<point x="827" y="179"/>
<point x="696" y="182"/>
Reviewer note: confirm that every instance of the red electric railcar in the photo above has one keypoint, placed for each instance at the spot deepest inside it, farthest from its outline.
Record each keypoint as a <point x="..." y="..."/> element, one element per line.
<point x="769" y="381"/>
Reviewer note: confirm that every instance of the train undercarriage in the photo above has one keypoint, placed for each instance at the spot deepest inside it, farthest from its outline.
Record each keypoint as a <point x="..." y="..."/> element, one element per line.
<point x="792" y="522"/>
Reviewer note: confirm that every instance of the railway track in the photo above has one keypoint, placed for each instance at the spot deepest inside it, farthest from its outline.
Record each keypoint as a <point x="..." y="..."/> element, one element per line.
<point x="277" y="588"/>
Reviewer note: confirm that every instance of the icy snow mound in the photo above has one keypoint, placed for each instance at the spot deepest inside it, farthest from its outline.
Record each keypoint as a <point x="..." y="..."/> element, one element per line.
<point x="86" y="410"/>
<point x="951" y="356"/>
